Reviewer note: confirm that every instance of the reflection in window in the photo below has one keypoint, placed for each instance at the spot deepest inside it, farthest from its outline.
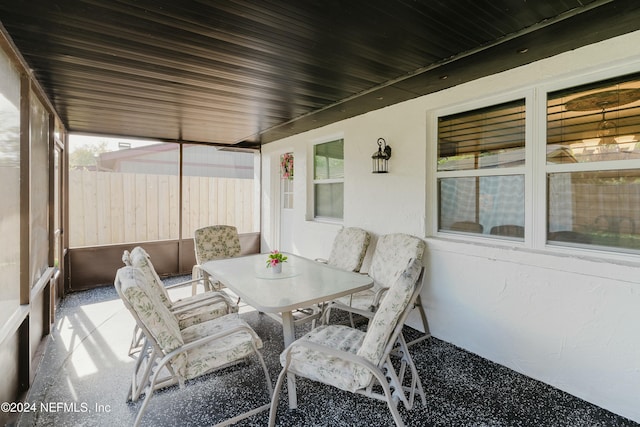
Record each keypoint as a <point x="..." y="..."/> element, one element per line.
<point x="328" y="180"/>
<point x="595" y="127"/>
<point x="596" y="122"/>
<point x="596" y="208"/>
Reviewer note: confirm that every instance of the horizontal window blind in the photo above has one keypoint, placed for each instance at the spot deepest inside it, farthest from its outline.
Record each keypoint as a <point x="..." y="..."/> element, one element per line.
<point x="466" y="137"/>
<point x="595" y="122"/>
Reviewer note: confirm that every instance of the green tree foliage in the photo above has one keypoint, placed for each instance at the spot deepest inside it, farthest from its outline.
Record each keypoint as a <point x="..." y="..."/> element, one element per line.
<point x="84" y="157"/>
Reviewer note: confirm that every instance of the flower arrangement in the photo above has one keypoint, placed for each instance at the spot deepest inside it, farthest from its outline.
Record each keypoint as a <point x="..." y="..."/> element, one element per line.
<point x="275" y="258"/>
<point x="286" y="165"/>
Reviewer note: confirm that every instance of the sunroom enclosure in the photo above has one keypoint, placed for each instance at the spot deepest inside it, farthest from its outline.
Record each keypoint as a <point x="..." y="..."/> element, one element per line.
<point x="67" y="216"/>
<point x="560" y="310"/>
<point x="554" y="295"/>
<point x="157" y="193"/>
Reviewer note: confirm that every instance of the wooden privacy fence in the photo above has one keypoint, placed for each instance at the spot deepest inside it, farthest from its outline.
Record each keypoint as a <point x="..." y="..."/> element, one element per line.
<point x="114" y="207"/>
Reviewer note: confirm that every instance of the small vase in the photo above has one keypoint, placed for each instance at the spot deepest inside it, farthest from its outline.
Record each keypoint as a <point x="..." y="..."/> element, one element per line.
<point x="276" y="269"/>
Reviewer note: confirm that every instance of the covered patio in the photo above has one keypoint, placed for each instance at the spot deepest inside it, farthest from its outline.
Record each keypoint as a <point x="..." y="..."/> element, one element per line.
<point x="85" y="362"/>
<point x="514" y="135"/>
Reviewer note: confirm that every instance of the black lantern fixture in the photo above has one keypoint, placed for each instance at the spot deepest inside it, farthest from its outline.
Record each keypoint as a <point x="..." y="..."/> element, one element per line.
<point x="380" y="159"/>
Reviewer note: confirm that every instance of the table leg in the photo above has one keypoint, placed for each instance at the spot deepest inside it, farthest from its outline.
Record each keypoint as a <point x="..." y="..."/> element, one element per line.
<point x="288" y="330"/>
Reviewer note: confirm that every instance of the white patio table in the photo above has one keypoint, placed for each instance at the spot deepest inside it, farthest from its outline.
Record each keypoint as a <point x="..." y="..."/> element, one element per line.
<point x="302" y="283"/>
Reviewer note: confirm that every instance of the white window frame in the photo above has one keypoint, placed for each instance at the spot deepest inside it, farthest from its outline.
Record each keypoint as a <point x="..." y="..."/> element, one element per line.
<point x="535" y="169"/>
<point x="608" y="252"/>
<point x="524" y="170"/>
<point x="311" y="216"/>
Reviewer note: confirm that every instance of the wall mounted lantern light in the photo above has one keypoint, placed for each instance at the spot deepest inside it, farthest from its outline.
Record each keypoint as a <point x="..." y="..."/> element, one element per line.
<point x="380" y="159"/>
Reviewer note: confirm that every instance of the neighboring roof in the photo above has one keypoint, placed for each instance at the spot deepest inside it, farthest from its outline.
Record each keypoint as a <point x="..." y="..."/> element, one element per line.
<point x="252" y="72"/>
<point x="198" y="160"/>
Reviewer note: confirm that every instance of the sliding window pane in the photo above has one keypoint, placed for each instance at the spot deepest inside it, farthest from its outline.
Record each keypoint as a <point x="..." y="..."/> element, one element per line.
<point x="329" y="200"/>
<point x="219" y="187"/>
<point x="595" y="208"/>
<point x="10" y="188"/>
<point x="491" y="137"/>
<point x="328" y="180"/>
<point x="492" y="205"/>
<point x="39" y="190"/>
<point x="595" y="122"/>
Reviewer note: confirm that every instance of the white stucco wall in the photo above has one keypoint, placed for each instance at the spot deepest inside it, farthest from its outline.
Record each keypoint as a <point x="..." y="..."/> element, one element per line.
<point x="570" y="319"/>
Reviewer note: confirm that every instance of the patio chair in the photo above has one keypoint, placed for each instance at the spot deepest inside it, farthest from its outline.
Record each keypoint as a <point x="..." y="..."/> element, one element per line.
<point x="347" y="253"/>
<point x="184" y="354"/>
<point x="348" y="250"/>
<point x="189" y="310"/>
<point x="389" y="258"/>
<point x="362" y="362"/>
<point x="210" y="243"/>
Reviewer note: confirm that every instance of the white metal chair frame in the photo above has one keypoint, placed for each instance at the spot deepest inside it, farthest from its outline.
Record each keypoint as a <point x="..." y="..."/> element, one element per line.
<point x="383" y="374"/>
<point x="225" y="249"/>
<point x="177" y="307"/>
<point x="369" y="312"/>
<point x="153" y="360"/>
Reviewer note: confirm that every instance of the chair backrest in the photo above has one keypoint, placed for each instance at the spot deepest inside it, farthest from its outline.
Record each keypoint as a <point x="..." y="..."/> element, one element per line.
<point x="509" y="230"/>
<point x="349" y="249"/>
<point x="216" y="242"/>
<point x="159" y="325"/>
<point x="391" y="255"/>
<point x="388" y="320"/>
<point x="139" y="258"/>
<point x="467" y="226"/>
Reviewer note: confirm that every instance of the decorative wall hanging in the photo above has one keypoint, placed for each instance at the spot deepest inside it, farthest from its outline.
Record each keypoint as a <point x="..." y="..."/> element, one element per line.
<point x="286" y="166"/>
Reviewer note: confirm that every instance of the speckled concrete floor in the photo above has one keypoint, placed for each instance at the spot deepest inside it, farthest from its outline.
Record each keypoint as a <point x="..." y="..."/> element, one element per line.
<point x="84" y="375"/>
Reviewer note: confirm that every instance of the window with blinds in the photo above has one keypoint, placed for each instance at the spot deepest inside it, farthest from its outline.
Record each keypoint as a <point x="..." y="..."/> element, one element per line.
<point x="491" y="137"/>
<point x="596" y="122"/>
<point x="480" y="175"/>
<point x="593" y="165"/>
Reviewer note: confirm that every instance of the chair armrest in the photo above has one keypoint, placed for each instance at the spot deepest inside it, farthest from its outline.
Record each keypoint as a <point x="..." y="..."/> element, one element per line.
<point x="351" y="357"/>
<point x="181" y="284"/>
<point x="378" y="297"/>
<point x="189" y="305"/>
<point x="366" y="313"/>
<point x="205" y="340"/>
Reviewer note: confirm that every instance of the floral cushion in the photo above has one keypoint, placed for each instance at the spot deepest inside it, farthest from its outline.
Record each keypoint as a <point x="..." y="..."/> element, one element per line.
<point x="163" y="327"/>
<point x="325" y="367"/>
<point x="331" y="369"/>
<point x="393" y="304"/>
<point x="216" y="242"/>
<point x="391" y="255"/>
<point x="139" y="258"/>
<point x="349" y="249"/>
<point x="221" y="351"/>
<point x="155" y="316"/>
<point x="202" y="314"/>
<point x="390" y="258"/>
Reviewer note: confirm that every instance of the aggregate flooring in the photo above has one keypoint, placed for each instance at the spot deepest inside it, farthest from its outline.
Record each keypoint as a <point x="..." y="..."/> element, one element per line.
<point x="85" y="373"/>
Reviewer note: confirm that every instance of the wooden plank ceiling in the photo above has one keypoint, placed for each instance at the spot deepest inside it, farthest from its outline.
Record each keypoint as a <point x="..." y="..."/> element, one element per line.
<point x="250" y="72"/>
